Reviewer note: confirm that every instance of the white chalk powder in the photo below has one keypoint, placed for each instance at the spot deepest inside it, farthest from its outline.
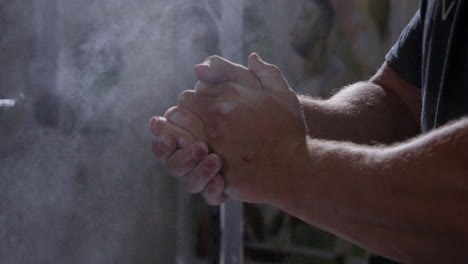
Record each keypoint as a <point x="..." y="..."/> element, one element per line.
<point x="223" y="107"/>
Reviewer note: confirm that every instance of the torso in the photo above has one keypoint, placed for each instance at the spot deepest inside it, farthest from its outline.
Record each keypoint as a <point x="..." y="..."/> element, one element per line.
<point x="444" y="61"/>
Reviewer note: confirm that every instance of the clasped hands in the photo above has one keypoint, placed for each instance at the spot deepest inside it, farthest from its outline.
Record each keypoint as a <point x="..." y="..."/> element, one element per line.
<point x="235" y="135"/>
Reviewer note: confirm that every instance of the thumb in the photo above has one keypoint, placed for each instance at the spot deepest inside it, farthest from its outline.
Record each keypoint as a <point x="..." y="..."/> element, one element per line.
<point x="270" y="76"/>
<point x="216" y="69"/>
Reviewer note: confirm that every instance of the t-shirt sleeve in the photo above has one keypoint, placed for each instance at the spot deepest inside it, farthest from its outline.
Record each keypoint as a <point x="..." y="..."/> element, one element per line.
<point x="405" y="57"/>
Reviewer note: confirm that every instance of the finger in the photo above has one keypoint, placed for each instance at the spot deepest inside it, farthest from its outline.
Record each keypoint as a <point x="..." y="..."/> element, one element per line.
<point x="214" y="191"/>
<point x="183" y="161"/>
<point x="163" y="146"/>
<point x="216" y="69"/>
<point x="197" y="180"/>
<point x="186" y="120"/>
<point x="206" y="89"/>
<point x="225" y="89"/>
<point x="270" y="76"/>
<point x="212" y="111"/>
<point x="196" y="104"/>
<point x="160" y="126"/>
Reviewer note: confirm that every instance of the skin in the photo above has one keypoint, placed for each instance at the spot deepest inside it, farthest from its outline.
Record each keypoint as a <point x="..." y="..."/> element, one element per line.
<point x="401" y="200"/>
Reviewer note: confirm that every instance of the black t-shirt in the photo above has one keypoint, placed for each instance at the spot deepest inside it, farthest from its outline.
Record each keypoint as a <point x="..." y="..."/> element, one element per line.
<point x="432" y="54"/>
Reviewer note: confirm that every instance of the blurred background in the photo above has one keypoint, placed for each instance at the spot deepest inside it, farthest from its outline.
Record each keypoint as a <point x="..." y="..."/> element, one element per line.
<point x="79" y="81"/>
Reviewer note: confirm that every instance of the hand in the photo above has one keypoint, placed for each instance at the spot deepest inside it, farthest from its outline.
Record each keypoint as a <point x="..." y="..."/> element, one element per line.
<point x="185" y="157"/>
<point x="253" y="120"/>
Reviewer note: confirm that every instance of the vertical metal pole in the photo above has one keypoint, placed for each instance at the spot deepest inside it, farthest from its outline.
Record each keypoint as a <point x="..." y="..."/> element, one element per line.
<point x="231" y="43"/>
<point x="232" y="247"/>
<point x="43" y="66"/>
<point x="185" y="231"/>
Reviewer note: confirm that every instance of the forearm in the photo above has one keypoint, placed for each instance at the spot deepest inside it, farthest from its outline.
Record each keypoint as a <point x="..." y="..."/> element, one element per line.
<point x="361" y="113"/>
<point x="401" y="201"/>
<point x="384" y="109"/>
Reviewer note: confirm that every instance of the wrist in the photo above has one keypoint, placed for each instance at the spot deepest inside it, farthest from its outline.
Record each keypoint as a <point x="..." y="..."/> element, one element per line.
<point x="317" y="117"/>
<point x="309" y="182"/>
<point x="295" y="159"/>
<point x="326" y="175"/>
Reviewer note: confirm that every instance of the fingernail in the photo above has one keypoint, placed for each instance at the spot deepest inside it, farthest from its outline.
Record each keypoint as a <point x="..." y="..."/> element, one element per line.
<point x="200" y="151"/>
<point x="211" y="163"/>
<point x="153" y="120"/>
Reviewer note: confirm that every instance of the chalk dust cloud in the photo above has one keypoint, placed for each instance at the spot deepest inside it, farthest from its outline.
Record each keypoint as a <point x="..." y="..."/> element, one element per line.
<point x="79" y="80"/>
<point x="78" y="183"/>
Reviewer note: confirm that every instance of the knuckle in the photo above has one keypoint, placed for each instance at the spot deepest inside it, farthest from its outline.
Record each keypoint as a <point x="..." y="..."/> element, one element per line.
<point x="213" y="58"/>
<point x="170" y="111"/>
<point x="222" y="108"/>
<point x="175" y="115"/>
<point x="230" y="88"/>
<point x="185" y="96"/>
<point x="273" y="70"/>
<point x="200" y="87"/>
